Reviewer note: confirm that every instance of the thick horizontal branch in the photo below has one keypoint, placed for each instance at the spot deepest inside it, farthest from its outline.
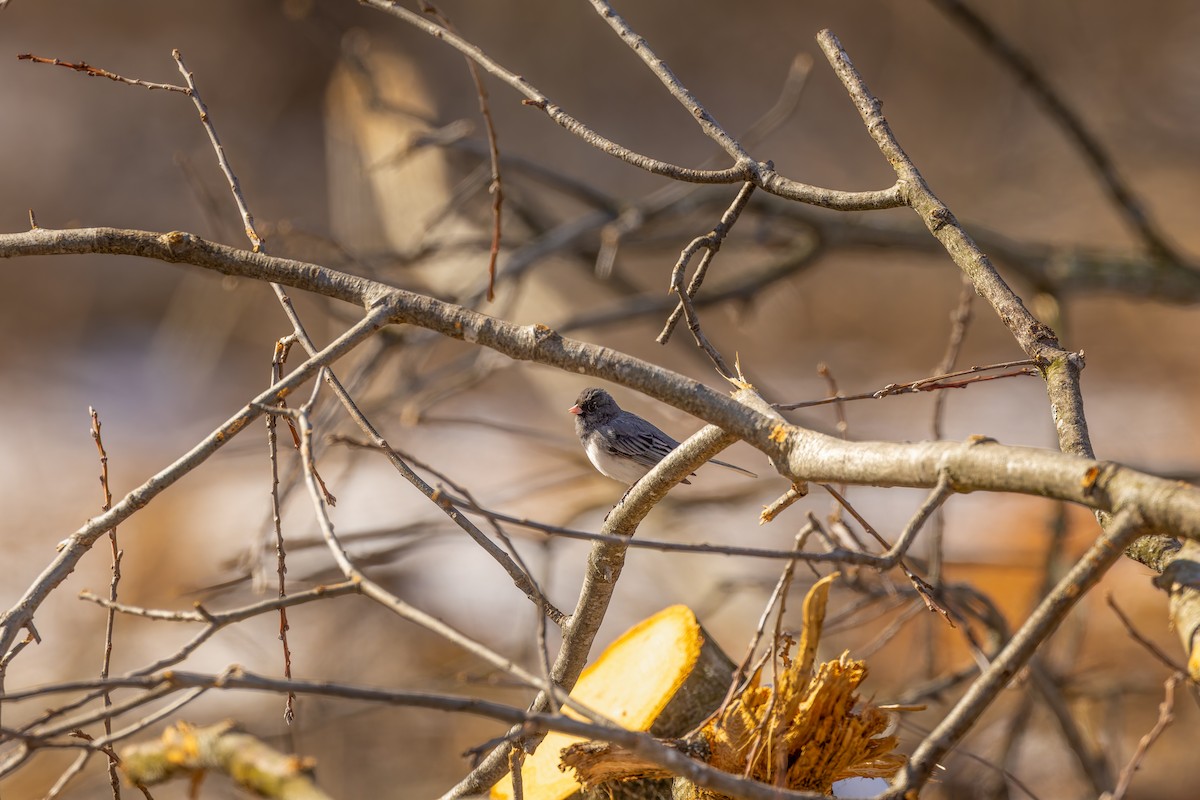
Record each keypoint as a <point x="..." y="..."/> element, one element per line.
<point x="979" y="464"/>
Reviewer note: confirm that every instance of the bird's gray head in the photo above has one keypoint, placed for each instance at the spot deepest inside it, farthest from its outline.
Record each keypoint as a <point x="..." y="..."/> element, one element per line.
<point x="594" y="407"/>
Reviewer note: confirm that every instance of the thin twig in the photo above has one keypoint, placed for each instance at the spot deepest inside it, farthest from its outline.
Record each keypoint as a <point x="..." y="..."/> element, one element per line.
<point x="1165" y="717"/>
<point x="711" y="242"/>
<point x="894" y="556"/>
<point x="1137" y="636"/>
<point x="642" y="744"/>
<point x="96" y="72"/>
<point x="762" y="174"/>
<point x="930" y="384"/>
<point x="839" y="402"/>
<point x="220" y="619"/>
<point x="778" y="648"/>
<point x="114" y="778"/>
<point x="521" y="577"/>
<point x="278" y="359"/>
<point x="960" y="321"/>
<point x="545" y="607"/>
<point x="778" y="505"/>
<point x="703" y="118"/>
<point x="235" y="186"/>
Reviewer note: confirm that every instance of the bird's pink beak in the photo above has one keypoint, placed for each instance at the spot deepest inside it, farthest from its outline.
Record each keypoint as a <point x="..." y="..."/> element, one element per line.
<point x="575" y="409"/>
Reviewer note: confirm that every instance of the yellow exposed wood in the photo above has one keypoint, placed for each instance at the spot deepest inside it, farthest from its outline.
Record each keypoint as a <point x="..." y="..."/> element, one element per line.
<point x="631" y="683"/>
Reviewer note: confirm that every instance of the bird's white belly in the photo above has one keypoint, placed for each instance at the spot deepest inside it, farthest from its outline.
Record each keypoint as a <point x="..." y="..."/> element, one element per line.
<point x="625" y="470"/>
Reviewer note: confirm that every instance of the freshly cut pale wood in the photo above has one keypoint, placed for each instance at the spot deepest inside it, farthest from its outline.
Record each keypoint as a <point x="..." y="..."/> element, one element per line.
<point x="663" y="675"/>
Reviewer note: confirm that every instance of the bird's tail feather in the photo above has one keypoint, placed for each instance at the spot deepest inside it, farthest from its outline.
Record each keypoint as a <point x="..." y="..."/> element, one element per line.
<point x="733" y="467"/>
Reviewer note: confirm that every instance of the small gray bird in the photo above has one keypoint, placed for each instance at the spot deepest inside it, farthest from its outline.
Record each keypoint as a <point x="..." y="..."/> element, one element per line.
<point x="622" y="445"/>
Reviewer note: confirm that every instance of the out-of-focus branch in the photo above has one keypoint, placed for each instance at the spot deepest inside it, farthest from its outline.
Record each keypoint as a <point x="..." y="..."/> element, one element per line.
<point x="496" y="188"/>
<point x="74" y="547"/>
<point x="1122" y="196"/>
<point x="1125" y="527"/>
<point x="190" y="751"/>
<point x="1063" y="271"/>
<point x="979" y="464"/>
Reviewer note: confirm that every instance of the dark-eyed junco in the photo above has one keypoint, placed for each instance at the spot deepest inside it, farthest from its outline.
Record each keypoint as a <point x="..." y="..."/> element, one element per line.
<point x="622" y="445"/>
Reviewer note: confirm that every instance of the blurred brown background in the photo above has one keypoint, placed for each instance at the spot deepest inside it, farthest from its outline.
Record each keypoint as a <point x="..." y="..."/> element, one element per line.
<point x="166" y="353"/>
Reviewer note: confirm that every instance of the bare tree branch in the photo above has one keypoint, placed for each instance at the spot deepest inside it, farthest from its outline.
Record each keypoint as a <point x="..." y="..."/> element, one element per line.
<point x="761" y="174"/>
<point x="1039" y="342"/>
<point x="1122" y="196"/>
<point x="1125" y="527"/>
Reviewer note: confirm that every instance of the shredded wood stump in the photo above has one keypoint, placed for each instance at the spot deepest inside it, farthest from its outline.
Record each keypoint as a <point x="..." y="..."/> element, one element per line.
<point x="809" y="730"/>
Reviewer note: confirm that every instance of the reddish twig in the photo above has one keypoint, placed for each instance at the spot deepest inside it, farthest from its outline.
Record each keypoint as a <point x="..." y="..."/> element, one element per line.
<point x="931" y="384"/>
<point x="1166" y="716"/>
<point x="114" y="779"/>
<point x="96" y="72"/>
<point x="278" y="359"/>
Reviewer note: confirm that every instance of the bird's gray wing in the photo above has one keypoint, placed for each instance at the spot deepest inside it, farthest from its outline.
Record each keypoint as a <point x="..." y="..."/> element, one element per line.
<point x="636" y="439"/>
<point x="639" y="440"/>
